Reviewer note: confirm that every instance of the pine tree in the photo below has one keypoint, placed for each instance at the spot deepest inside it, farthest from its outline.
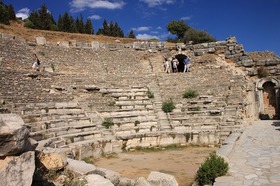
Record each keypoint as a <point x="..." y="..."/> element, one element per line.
<point x="131" y="34"/>
<point x="60" y="23"/>
<point x="88" y="27"/>
<point x="11" y="12"/>
<point x="4" y="16"/>
<point x="79" y="24"/>
<point x="45" y="18"/>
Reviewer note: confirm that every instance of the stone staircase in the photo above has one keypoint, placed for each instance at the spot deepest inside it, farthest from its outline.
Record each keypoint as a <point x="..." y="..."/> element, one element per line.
<point x="216" y="109"/>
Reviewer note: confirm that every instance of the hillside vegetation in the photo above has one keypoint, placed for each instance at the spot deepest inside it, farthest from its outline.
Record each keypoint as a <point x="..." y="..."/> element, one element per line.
<point x="17" y="28"/>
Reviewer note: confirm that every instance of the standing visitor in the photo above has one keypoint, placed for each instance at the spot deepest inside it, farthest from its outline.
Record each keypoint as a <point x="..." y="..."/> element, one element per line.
<point x="175" y="63"/>
<point x="166" y="66"/>
<point x="186" y="64"/>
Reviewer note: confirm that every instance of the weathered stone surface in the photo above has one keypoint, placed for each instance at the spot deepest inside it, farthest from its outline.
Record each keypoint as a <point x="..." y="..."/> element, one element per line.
<point x="97" y="180"/>
<point x="13" y="135"/>
<point x="126" y="182"/>
<point x="17" y="170"/>
<point x="142" y="182"/>
<point x="53" y="159"/>
<point x="80" y="167"/>
<point x="160" y="179"/>
<point x="114" y="177"/>
<point x="41" y="40"/>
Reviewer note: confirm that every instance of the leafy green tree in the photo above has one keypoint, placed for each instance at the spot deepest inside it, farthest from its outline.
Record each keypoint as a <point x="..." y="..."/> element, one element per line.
<point x="197" y="36"/>
<point x="178" y="28"/>
<point x="131" y="34"/>
<point x="89" y="27"/>
<point x="28" y="24"/>
<point x="34" y="19"/>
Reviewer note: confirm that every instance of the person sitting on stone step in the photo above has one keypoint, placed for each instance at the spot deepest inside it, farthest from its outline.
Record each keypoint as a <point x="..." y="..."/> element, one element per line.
<point x="36" y="64"/>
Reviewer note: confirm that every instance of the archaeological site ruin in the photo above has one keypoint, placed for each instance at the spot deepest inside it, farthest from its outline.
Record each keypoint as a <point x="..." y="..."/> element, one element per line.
<point x="93" y="98"/>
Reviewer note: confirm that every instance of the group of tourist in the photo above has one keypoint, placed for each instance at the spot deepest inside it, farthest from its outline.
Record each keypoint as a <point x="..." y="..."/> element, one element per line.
<point x="172" y="65"/>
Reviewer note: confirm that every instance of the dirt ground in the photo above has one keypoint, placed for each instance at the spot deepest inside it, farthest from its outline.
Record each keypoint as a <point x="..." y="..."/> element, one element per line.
<point x="182" y="163"/>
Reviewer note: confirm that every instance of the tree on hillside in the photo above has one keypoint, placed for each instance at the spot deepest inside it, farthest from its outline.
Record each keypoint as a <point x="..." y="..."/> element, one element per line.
<point x="65" y="23"/>
<point x="88" y="27"/>
<point x="42" y="19"/>
<point x="7" y="13"/>
<point x="185" y="33"/>
<point x="111" y="29"/>
<point x="4" y="16"/>
<point x="178" y="28"/>
<point x="131" y="34"/>
<point x="197" y="36"/>
<point x="11" y="12"/>
<point x="79" y="24"/>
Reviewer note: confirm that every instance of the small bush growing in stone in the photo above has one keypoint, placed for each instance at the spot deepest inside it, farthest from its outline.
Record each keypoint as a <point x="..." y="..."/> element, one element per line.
<point x="190" y="94"/>
<point x="137" y="122"/>
<point x="213" y="167"/>
<point x="262" y="72"/>
<point x="107" y="123"/>
<point x="168" y="106"/>
<point x="150" y="94"/>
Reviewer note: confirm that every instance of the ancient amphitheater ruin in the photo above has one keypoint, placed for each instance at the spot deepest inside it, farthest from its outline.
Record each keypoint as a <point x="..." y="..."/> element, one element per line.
<point x="82" y="85"/>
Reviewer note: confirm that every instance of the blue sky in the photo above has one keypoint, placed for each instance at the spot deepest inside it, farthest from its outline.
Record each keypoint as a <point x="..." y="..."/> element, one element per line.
<point x="255" y="23"/>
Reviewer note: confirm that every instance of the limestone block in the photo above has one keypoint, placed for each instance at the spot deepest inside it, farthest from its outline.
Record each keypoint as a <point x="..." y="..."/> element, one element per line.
<point x="142" y="182"/>
<point x="158" y="178"/>
<point x="13" y="135"/>
<point x="7" y="36"/>
<point x="247" y="62"/>
<point x="114" y="177"/>
<point x="18" y="170"/>
<point x="64" y="44"/>
<point x="53" y="159"/>
<point x="80" y="167"/>
<point x="40" y="40"/>
<point x="97" y="180"/>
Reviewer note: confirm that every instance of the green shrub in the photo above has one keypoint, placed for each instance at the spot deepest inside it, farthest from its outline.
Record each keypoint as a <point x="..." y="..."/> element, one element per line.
<point x="168" y="106"/>
<point x="150" y="94"/>
<point x="107" y="123"/>
<point x="137" y="122"/>
<point x="213" y="167"/>
<point x="190" y="94"/>
<point x="28" y="24"/>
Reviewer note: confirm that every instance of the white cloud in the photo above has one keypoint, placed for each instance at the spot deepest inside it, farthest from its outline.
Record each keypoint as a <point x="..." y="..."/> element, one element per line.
<point x="23" y="13"/>
<point x="141" y="29"/>
<point x="145" y="36"/>
<point x="80" y="5"/>
<point x="152" y="3"/>
<point x="159" y="27"/>
<point x="94" y="17"/>
<point x="186" y="18"/>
